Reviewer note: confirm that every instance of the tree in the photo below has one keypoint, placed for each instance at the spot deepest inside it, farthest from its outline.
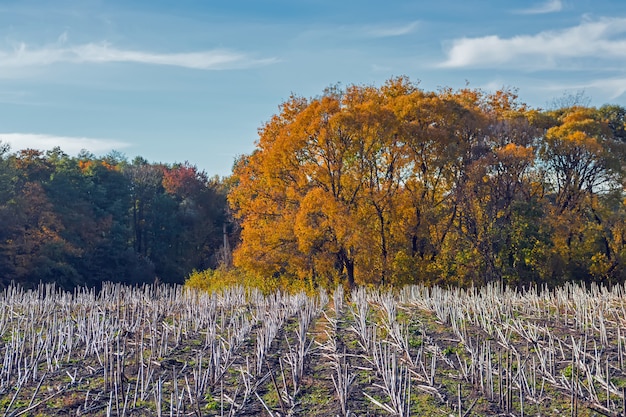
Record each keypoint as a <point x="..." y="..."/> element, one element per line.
<point x="429" y="126"/>
<point x="191" y="214"/>
<point x="8" y="178"/>
<point x="582" y="158"/>
<point x="576" y="153"/>
<point x="615" y="117"/>
<point x="145" y="183"/>
<point x="40" y="253"/>
<point x="85" y="220"/>
<point x="363" y="184"/>
<point x="299" y="160"/>
<point x="395" y="184"/>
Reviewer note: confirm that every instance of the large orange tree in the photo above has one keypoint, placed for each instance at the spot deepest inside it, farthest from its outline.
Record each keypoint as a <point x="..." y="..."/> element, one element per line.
<point x="396" y="184"/>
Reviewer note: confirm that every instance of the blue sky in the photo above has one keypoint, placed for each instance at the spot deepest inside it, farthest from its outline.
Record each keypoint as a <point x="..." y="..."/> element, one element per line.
<point x="193" y="80"/>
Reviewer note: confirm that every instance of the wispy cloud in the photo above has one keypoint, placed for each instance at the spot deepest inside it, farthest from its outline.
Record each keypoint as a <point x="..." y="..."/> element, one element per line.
<point x="391" y="31"/>
<point x="69" y="144"/>
<point x="23" y="56"/>
<point x="550" y="6"/>
<point x="13" y="97"/>
<point x="385" y="69"/>
<point x="344" y="34"/>
<point x="602" y="39"/>
<point x="612" y="88"/>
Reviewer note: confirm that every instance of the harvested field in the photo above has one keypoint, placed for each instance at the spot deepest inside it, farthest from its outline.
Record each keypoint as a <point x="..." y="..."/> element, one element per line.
<point x="167" y="351"/>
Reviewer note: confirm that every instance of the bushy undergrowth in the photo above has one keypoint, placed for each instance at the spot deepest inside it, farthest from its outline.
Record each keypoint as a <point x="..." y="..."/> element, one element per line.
<point x="212" y="280"/>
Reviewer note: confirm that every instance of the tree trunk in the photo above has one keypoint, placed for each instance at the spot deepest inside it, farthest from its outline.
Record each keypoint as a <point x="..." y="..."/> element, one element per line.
<point x="346" y="265"/>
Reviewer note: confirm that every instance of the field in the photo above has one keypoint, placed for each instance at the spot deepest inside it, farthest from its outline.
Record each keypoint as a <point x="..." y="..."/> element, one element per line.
<point x="168" y="351"/>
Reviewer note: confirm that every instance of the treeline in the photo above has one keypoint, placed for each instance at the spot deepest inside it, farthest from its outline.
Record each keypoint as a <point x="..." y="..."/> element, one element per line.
<point x="396" y="184"/>
<point x="84" y="220"/>
<point x="365" y="185"/>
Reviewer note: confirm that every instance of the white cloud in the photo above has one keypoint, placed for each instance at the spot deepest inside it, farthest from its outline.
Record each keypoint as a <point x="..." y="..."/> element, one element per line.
<point x="493" y="85"/>
<point x="68" y="144"/>
<point x="63" y="37"/>
<point x="355" y="32"/>
<point x="13" y="97"/>
<point x="608" y="88"/>
<point x="22" y="56"/>
<point x="550" y="6"/>
<point x="391" y="31"/>
<point x="612" y="87"/>
<point x="601" y="39"/>
<point x="385" y="69"/>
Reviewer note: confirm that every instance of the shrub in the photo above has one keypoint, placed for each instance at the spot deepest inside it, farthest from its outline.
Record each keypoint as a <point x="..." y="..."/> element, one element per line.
<point x="218" y="279"/>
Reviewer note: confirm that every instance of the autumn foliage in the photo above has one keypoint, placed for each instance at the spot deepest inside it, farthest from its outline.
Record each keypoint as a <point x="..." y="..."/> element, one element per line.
<point x="85" y="220"/>
<point x="362" y="185"/>
<point x="395" y="184"/>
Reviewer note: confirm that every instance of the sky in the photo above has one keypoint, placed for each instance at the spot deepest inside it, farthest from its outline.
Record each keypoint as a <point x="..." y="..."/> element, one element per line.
<point x="194" y="80"/>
